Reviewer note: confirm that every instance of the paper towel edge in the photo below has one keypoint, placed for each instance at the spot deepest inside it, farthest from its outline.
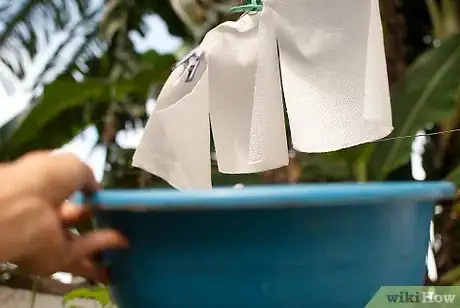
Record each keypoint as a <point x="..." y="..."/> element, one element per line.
<point x="258" y="167"/>
<point x="386" y="130"/>
<point x="152" y="169"/>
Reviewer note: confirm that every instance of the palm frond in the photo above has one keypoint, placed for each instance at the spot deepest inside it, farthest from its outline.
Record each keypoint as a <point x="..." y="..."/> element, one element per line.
<point x="37" y="35"/>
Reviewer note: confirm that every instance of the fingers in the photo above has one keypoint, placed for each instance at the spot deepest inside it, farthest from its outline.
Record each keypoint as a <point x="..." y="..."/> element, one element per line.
<point x="89" y="269"/>
<point x="72" y="214"/>
<point x="85" y="247"/>
<point x="96" y="241"/>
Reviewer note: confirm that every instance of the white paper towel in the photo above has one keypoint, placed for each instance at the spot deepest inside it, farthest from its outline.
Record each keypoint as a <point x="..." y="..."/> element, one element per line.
<point x="176" y="142"/>
<point x="244" y="75"/>
<point x="333" y="74"/>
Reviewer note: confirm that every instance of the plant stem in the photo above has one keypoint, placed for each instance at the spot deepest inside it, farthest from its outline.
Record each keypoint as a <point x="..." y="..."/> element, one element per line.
<point x="360" y="171"/>
<point x="34" y="292"/>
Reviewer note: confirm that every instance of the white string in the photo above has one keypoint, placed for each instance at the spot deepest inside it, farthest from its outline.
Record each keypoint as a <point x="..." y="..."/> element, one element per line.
<point x="420" y="135"/>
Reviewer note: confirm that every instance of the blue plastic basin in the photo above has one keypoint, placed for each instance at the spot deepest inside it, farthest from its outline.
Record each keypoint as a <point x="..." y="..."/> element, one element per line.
<point x="268" y="246"/>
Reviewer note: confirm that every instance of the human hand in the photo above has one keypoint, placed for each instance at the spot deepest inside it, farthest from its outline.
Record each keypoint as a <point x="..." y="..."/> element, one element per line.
<point x="35" y="216"/>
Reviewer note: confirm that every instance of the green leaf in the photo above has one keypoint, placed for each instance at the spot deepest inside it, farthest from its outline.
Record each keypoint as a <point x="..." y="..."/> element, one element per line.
<point x="156" y="68"/>
<point x="222" y="179"/>
<point x="62" y="111"/>
<point x="424" y="96"/>
<point x="99" y="294"/>
<point x="8" y="129"/>
<point x="58" y="98"/>
<point x="30" y="26"/>
<point x="451" y="277"/>
<point x="357" y="159"/>
<point x="326" y="167"/>
<point x="454" y="176"/>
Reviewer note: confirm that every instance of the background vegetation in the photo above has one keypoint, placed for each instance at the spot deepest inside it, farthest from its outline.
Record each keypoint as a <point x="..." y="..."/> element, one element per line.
<point x="95" y="77"/>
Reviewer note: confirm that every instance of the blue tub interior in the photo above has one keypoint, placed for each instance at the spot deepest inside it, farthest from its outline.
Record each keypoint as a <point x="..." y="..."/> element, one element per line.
<point x="268" y="246"/>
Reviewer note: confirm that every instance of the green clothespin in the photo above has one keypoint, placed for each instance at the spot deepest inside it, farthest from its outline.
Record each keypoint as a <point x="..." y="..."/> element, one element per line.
<point x="248" y="6"/>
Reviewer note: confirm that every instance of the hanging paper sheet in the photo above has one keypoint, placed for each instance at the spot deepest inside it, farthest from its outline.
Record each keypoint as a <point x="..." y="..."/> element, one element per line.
<point x="328" y="59"/>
